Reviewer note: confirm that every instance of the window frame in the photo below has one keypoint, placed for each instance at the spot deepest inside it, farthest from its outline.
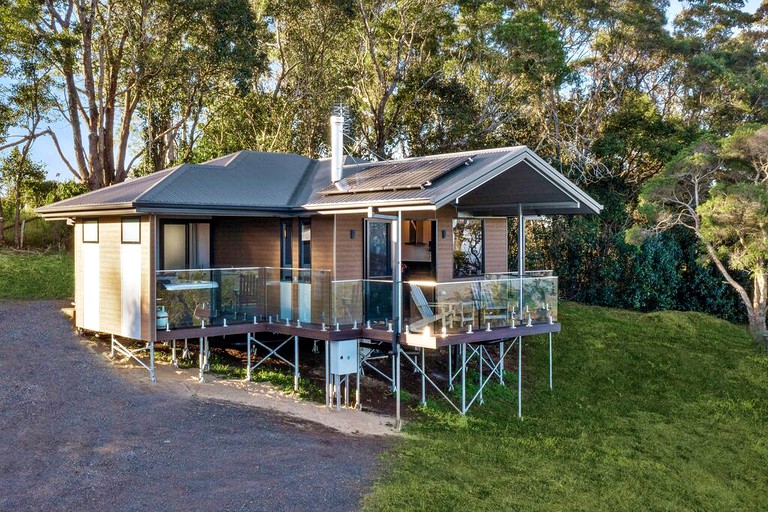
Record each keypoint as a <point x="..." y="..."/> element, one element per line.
<point x="123" y="220"/>
<point x="453" y="248"/>
<point x="98" y="229"/>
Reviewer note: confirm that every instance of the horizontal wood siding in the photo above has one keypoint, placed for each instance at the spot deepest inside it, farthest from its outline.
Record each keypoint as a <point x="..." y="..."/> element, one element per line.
<point x="496" y="245"/>
<point x="110" y="277"/>
<point x="246" y="242"/>
<point x="349" y="252"/>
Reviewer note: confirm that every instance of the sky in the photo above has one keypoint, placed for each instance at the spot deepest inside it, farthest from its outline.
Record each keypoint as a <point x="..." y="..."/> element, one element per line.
<point x="44" y="150"/>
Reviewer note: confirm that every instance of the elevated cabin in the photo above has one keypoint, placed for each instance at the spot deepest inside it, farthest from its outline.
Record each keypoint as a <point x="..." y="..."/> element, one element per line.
<point x="412" y="251"/>
<point x="263" y="236"/>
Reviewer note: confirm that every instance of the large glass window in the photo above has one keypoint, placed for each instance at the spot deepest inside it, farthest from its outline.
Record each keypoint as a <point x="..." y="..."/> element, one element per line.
<point x="305" y="249"/>
<point x="379" y="253"/>
<point x="186" y="245"/>
<point x="468" y="255"/>
<point x="286" y="249"/>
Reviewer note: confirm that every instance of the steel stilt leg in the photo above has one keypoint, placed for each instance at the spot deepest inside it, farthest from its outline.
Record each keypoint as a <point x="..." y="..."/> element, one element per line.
<point x="480" y="401"/>
<point x="501" y="363"/>
<point x="423" y="377"/>
<point x="112" y="347"/>
<point x="174" y="361"/>
<point x="296" y="364"/>
<point x="450" y="368"/>
<point x="463" y="378"/>
<point x="248" y="357"/>
<point x="152" y="361"/>
<point x="201" y="361"/>
<point x="398" y="419"/>
<point x="520" y="377"/>
<point x="358" y="405"/>
<point x="327" y="378"/>
<point x="550" y="360"/>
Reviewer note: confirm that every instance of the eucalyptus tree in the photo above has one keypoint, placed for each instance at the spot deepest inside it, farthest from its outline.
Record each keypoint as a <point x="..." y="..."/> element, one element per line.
<point x="113" y="57"/>
<point x="287" y="107"/>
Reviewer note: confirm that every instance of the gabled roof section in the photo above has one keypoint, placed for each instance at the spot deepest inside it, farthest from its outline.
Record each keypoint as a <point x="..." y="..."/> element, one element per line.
<point x="491" y="182"/>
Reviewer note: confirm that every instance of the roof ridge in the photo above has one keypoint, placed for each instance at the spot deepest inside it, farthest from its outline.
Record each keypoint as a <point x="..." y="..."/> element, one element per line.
<point x="171" y="174"/>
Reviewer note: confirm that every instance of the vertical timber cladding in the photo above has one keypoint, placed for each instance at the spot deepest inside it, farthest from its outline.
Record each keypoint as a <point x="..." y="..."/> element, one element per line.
<point x="79" y="273"/>
<point x="110" y="289"/>
<point x="495" y="244"/>
<point x="322" y="259"/>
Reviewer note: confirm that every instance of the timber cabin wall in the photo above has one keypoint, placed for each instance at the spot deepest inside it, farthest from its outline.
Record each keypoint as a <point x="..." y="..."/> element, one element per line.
<point x="246" y="242"/>
<point x="349" y="251"/>
<point x="110" y="276"/>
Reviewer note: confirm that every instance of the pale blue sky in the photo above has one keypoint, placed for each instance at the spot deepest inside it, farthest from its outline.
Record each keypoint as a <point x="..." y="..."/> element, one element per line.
<point x="44" y="151"/>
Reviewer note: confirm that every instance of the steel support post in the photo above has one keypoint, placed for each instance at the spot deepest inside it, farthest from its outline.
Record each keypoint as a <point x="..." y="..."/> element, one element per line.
<point x="450" y="368"/>
<point x="201" y="361"/>
<point x="327" y="377"/>
<point x="463" y="378"/>
<point x="248" y="357"/>
<point x="337" y="386"/>
<point x="358" y="405"/>
<point x="174" y="361"/>
<point x="520" y="377"/>
<point x="207" y="355"/>
<point x="501" y="363"/>
<point x="152" y="361"/>
<point x="398" y="420"/>
<point x="346" y="391"/>
<point x="185" y="353"/>
<point x="423" y="377"/>
<point x="481" y="401"/>
<point x="550" y="360"/>
<point x="112" y="347"/>
<point x="296" y="363"/>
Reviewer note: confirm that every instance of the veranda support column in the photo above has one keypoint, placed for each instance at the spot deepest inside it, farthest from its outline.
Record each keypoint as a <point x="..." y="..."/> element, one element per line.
<point x="463" y="378"/>
<point x="521" y="256"/>
<point x="248" y="357"/>
<point x="327" y="378"/>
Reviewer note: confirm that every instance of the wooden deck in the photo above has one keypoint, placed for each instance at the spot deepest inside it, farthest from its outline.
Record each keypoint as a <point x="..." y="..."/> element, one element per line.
<point x="348" y="333"/>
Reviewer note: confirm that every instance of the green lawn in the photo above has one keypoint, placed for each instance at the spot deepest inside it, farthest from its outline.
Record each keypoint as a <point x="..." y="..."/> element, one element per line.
<point x="661" y="411"/>
<point x="25" y="275"/>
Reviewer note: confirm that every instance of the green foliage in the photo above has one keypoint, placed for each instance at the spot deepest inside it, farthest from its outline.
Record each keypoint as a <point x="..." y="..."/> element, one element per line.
<point x="30" y="276"/>
<point x="661" y="411"/>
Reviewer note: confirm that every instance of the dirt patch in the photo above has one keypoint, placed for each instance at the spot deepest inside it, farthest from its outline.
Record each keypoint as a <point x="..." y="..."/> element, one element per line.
<point x="78" y="438"/>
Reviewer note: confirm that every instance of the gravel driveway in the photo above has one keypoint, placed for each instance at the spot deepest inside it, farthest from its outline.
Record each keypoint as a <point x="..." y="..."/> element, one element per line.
<point x="77" y="437"/>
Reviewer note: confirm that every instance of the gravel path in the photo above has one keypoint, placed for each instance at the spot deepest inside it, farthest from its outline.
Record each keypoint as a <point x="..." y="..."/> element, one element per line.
<point x="77" y="437"/>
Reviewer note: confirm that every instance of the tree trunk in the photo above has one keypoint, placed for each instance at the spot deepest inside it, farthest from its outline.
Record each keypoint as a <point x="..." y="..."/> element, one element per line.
<point x="757" y="313"/>
<point x="17" y="217"/>
<point x="2" y="224"/>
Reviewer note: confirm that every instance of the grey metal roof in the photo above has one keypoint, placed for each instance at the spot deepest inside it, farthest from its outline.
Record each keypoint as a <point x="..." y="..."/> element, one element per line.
<point x="494" y="182"/>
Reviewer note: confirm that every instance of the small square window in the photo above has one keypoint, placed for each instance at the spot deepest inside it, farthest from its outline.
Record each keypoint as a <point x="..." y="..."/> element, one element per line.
<point x="91" y="231"/>
<point x="131" y="230"/>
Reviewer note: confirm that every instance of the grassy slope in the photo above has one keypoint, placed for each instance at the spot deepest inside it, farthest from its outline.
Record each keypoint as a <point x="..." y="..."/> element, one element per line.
<point x="35" y="276"/>
<point x="662" y="411"/>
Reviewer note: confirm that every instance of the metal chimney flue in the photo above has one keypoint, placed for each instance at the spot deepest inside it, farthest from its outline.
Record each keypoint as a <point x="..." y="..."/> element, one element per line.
<point x="337" y="148"/>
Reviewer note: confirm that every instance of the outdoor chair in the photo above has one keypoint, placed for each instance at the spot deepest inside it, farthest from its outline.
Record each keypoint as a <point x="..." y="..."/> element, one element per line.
<point x="489" y="307"/>
<point x="424" y="308"/>
<point x="248" y="294"/>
